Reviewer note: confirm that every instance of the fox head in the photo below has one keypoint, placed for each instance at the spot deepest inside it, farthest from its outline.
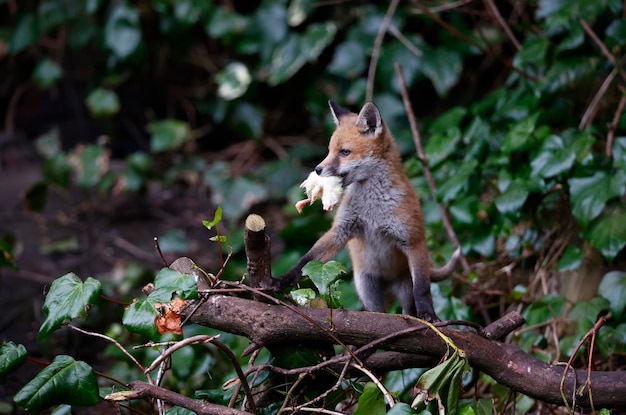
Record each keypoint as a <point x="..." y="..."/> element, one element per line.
<point x="360" y="143"/>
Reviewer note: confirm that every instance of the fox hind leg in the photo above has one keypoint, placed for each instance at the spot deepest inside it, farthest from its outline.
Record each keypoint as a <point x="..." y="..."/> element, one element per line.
<point x="371" y="289"/>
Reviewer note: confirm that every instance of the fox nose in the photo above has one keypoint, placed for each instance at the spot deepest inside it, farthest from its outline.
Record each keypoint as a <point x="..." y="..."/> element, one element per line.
<point x="319" y="170"/>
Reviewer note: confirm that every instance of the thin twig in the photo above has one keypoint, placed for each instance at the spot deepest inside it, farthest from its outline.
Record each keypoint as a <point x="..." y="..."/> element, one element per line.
<point x="496" y="14"/>
<point x="591" y="110"/>
<point x="115" y="342"/>
<point x="427" y="173"/>
<point x="177" y="346"/>
<point x="242" y="378"/>
<point x="390" y="400"/>
<point x="610" y="136"/>
<point x="596" y="39"/>
<point x="371" y="72"/>
<point x="444" y="7"/>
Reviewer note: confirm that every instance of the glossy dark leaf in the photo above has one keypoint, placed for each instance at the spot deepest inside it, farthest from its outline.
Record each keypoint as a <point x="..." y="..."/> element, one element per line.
<point x="608" y="233"/>
<point x="11" y="357"/>
<point x="554" y="158"/>
<point x="68" y="298"/>
<point x="520" y="135"/>
<point x="323" y="274"/>
<point x="65" y="380"/>
<point x="590" y="194"/>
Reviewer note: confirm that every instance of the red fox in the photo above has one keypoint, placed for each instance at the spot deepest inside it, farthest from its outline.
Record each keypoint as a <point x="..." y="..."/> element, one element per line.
<point x="379" y="218"/>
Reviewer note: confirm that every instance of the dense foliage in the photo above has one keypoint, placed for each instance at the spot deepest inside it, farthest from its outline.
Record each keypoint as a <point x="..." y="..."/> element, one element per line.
<point x="520" y="106"/>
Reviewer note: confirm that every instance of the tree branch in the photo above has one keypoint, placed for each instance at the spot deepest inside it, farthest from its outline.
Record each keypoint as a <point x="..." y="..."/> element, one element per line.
<point x="142" y="390"/>
<point x="266" y="324"/>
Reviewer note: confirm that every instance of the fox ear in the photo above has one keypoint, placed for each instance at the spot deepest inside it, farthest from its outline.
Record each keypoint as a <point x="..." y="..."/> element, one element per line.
<point x="337" y="111"/>
<point x="369" y="121"/>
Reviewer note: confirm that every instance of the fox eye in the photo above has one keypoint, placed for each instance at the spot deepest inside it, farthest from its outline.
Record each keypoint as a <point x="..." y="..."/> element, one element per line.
<point x="344" y="152"/>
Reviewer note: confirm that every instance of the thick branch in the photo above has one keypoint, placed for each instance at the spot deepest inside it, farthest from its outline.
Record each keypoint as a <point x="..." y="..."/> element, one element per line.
<point x="257" y="245"/>
<point x="266" y="324"/>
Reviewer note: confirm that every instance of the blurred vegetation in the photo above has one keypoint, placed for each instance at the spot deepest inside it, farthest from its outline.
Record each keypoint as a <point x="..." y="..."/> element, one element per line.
<point x="520" y="106"/>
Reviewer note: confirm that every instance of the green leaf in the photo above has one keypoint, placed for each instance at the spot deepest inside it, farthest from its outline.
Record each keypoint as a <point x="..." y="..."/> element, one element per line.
<point x="64" y="381"/>
<point x="90" y="163"/>
<point x="613" y="288"/>
<point x="323" y="274"/>
<point x="103" y="103"/>
<point x="139" y="317"/>
<point x="554" y="158"/>
<point x="457" y="182"/>
<point x="443" y="67"/>
<point x="26" y="33"/>
<point x="401" y="408"/>
<point x="298" y="11"/>
<point x="520" y="136"/>
<point x="217" y="218"/>
<point x="169" y="283"/>
<point x="224" y="22"/>
<point x="608" y="234"/>
<point x="11" y="357"/>
<point x="47" y="73"/>
<point x="297" y="50"/>
<point x="68" y="299"/>
<point x="571" y="259"/>
<point x="590" y="194"/>
<point x="168" y="134"/>
<point x="303" y="296"/>
<point x="371" y="401"/>
<point x="122" y="32"/>
<point x="233" y="81"/>
<point x="348" y="60"/>
<point x="585" y="313"/>
<point x="512" y="200"/>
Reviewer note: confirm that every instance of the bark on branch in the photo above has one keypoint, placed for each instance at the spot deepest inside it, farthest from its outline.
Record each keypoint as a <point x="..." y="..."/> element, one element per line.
<point x="266" y="324"/>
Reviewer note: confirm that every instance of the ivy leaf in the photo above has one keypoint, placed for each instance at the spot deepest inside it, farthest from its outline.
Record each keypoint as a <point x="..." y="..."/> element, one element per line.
<point x="519" y="138"/>
<point x="590" y="194"/>
<point x="47" y="73"/>
<point x="90" y="163"/>
<point x="233" y="81"/>
<point x="371" y="401"/>
<point x="168" y="134"/>
<point x="217" y="218"/>
<point x="140" y="316"/>
<point x="443" y="67"/>
<point x="11" y="357"/>
<point x="512" y="200"/>
<point x="122" y="33"/>
<point x="571" y="259"/>
<point x="169" y="283"/>
<point x="68" y="298"/>
<point x="103" y="103"/>
<point x="65" y="380"/>
<point x="554" y="158"/>
<point x="323" y="274"/>
<point x="613" y="288"/>
<point x="608" y="234"/>
<point x="457" y="182"/>
<point x="401" y="408"/>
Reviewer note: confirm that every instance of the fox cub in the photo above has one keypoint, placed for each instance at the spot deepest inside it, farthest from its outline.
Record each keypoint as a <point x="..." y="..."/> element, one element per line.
<point x="379" y="218"/>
